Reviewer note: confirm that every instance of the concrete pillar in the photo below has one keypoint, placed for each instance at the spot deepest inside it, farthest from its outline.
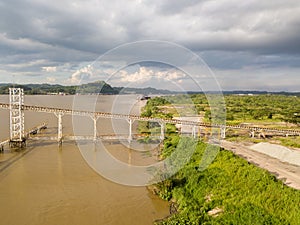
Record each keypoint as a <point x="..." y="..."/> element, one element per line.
<point x="194" y="132"/>
<point x="95" y="118"/>
<point x="60" y="127"/>
<point x="262" y="134"/>
<point x="162" y="131"/>
<point x="200" y="132"/>
<point x="207" y="132"/>
<point x="252" y="133"/>
<point x="130" y="121"/>
<point x="223" y="132"/>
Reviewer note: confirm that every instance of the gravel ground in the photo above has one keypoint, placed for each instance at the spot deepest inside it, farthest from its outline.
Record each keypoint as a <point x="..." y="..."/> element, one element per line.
<point x="282" y="153"/>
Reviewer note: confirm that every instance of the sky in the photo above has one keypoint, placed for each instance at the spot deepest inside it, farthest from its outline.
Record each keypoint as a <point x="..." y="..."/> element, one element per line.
<point x="240" y="45"/>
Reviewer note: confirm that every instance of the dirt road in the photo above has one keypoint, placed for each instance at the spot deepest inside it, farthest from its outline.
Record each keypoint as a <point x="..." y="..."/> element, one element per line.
<point x="288" y="173"/>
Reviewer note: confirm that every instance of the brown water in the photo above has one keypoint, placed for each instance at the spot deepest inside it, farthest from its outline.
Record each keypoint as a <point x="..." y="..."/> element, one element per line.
<point x="52" y="185"/>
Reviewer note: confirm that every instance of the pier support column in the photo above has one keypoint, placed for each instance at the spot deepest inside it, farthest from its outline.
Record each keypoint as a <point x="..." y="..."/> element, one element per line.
<point x="223" y="132"/>
<point x="95" y="118"/>
<point x="162" y="131"/>
<point x="200" y="132"/>
<point x="130" y="121"/>
<point x="207" y="133"/>
<point x="194" y="132"/>
<point x="60" y="127"/>
<point x="252" y="133"/>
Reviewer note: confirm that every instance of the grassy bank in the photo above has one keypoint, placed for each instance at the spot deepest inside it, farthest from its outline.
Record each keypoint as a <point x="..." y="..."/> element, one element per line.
<point x="272" y="111"/>
<point x="229" y="191"/>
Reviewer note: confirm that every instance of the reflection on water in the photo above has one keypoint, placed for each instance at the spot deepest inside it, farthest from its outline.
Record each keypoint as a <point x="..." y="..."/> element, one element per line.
<point x="46" y="184"/>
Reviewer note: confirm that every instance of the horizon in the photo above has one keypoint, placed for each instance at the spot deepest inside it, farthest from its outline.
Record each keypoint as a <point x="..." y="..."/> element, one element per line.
<point x="187" y="91"/>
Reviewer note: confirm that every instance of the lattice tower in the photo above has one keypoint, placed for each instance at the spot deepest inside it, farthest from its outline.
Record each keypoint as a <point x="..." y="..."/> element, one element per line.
<point x="16" y="101"/>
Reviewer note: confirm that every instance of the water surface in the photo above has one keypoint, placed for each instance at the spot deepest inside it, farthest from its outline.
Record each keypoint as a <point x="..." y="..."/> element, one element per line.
<point x="47" y="185"/>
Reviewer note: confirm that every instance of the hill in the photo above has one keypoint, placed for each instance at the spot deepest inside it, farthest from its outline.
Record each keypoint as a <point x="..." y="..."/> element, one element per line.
<point x="101" y="87"/>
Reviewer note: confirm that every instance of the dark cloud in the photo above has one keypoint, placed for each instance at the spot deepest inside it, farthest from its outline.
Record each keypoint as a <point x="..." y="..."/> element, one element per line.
<point x="155" y="64"/>
<point x="206" y="25"/>
<point x="240" y="59"/>
<point x="227" y="34"/>
<point x="175" y="7"/>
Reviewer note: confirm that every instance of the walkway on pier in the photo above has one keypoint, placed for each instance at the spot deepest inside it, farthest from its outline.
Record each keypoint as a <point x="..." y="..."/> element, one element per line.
<point x="32" y="131"/>
<point x="131" y="118"/>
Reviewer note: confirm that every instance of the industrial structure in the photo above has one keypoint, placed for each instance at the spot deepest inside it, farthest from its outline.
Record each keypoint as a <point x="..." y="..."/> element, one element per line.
<point x="18" y="136"/>
<point x="16" y="103"/>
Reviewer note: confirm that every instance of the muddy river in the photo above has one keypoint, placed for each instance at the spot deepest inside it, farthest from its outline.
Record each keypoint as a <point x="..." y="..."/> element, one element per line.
<point x="51" y="185"/>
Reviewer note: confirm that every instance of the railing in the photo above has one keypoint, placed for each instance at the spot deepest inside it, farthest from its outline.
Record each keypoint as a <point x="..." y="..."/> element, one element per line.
<point x="150" y="119"/>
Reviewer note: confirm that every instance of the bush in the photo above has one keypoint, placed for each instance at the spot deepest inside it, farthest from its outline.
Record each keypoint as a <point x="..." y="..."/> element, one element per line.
<point x="245" y="193"/>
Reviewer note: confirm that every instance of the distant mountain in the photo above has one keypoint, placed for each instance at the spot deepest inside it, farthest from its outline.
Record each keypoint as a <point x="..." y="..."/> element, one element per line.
<point x="98" y="87"/>
<point x="101" y="87"/>
<point x="143" y="91"/>
<point x="39" y="89"/>
<point x="95" y="88"/>
<point x="248" y="93"/>
<point x="261" y="93"/>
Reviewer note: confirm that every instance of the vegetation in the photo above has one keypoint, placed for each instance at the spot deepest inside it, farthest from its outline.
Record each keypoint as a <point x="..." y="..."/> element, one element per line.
<point x="239" y="108"/>
<point x="90" y="88"/>
<point x="224" y="188"/>
<point x="142" y="91"/>
<point x="242" y="108"/>
<point x="42" y="89"/>
<point x="39" y="89"/>
<point x="266" y="108"/>
<point x="95" y="88"/>
<point x="273" y="111"/>
<point x="152" y="109"/>
<point x="229" y="191"/>
<point x="290" y="141"/>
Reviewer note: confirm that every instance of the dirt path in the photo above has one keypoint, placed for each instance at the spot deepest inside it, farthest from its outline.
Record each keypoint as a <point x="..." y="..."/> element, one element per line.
<point x="289" y="173"/>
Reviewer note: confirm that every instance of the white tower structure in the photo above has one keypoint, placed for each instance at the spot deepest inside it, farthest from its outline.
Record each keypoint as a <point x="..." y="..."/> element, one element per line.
<point x="16" y="102"/>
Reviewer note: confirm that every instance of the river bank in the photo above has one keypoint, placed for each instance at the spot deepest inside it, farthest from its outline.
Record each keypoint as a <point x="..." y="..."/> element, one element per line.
<point x="230" y="190"/>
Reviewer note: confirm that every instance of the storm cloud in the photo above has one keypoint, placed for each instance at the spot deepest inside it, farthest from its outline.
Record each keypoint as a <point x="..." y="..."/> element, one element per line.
<point x="49" y="41"/>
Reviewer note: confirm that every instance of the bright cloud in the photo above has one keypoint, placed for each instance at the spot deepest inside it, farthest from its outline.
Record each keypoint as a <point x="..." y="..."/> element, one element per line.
<point x="84" y="73"/>
<point x="230" y="35"/>
<point x="142" y="75"/>
<point x="49" y="69"/>
<point x="145" y="74"/>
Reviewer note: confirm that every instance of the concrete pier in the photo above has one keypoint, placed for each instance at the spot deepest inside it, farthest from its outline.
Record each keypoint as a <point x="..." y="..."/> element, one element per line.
<point x="22" y="143"/>
<point x="59" y="115"/>
<point x="130" y="121"/>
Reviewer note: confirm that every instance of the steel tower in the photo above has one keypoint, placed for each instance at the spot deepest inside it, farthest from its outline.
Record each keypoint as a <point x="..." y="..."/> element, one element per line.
<point x="16" y="103"/>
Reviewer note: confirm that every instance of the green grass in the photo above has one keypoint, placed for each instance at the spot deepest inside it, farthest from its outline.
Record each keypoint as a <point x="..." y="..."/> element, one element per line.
<point x="245" y="193"/>
<point x="290" y="141"/>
